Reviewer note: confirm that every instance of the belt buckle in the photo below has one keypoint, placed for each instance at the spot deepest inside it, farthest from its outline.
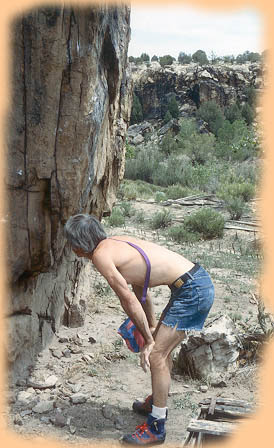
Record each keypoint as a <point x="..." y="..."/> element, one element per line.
<point x="178" y="283"/>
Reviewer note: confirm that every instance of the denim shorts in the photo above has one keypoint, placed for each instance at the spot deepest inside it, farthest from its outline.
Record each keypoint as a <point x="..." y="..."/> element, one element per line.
<point x="190" y="304"/>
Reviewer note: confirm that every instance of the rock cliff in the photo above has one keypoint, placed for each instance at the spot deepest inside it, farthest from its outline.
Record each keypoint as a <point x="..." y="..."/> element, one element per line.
<point x="69" y="112"/>
<point x="192" y="85"/>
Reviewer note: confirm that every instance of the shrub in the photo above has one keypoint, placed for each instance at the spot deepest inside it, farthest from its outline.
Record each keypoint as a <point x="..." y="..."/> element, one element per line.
<point x="200" y="147"/>
<point x="173" y="107"/>
<point x="127" y="209"/>
<point x="235" y="207"/>
<point x="233" y="112"/>
<point x="177" y="192"/>
<point x="166" y="60"/>
<point x="168" y="144"/>
<point x="184" y="58"/>
<point x="139" y="216"/>
<point x="207" y="222"/>
<point x="181" y="235"/>
<point x="248" y="113"/>
<point x="161" y="220"/>
<point x="245" y="191"/>
<point x="211" y="112"/>
<point x="167" y="117"/>
<point x="116" y="218"/>
<point x="129" y="192"/>
<point x="143" y="166"/>
<point x="160" y="196"/>
<point x="200" y="57"/>
<point x="136" y="110"/>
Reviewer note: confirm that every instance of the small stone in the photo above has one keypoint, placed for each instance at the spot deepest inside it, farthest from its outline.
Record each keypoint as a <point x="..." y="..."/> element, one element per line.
<point x="87" y="358"/>
<point x="43" y="406"/>
<point x="26" y="412"/>
<point x="221" y="383"/>
<point x="78" y="398"/>
<point x="63" y="340"/>
<point x="44" y="419"/>
<point x="92" y="340"/>
<point x="57" y="354"/>
<point x="72" y="429"/>
<point x="18" y="420"/>
<point x="21" y="383"/>
<point x="118" y="422"/>
<point x="107" y="411"/>
<point x="75" y="388"/>
<point x="60" y="420"/>
<point x="67" y="353"/>
<point x="173" y="392"/>
<point x="203" y="388"/>
<point x="26" y="399"/>
<point x="76" y="350"/>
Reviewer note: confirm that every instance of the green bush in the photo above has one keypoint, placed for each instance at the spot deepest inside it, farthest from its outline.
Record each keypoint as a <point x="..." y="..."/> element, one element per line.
<point x="173" y="107"/>
<point x="129" y="192"/>
<point x="200" y="57"/>
<point x="199" y="147"/>
<point x="181" y="235"/>
<point x="143" y="165"/>
<point x="168" y="144"/>
<point x="127" y="209"/>
<point x="116" y="218"/>
<point x="161" y="220"/>
<point x="139" y="216"/>
<point x="244" y="191"/>
<point x="177" y="192"/>
<point x="233" y="113"/>
<point x="236" y="207"/>
<point x="207" y="222"/>
<point x="160" y="196"/>
<point x="212" y="114"/>
<point x="136" y="110"/>
<point x="167" y="117"/>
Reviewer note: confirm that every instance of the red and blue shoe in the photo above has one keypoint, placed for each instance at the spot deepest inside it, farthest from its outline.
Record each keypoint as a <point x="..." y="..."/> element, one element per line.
<point x="143" y="407"/>
<point x="150" y="433"/>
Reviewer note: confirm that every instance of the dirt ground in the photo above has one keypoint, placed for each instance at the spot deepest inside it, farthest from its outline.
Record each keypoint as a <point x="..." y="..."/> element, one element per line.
<point x="98" y="378"/>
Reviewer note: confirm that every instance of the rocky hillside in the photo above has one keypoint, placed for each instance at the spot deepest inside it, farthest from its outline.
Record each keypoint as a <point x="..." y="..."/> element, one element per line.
<point x="67" y="122"/>
<point x="192" y="85"/>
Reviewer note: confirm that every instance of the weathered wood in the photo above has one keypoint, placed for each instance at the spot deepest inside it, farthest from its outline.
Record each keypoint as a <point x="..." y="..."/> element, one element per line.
<point x="227" y="402"/>
<point x="209" y="427"/>
<point x="248" y="223"/>
<point x="228" y="411"/>
<point x="231" y="227"/>
<point x="212" y="405"/>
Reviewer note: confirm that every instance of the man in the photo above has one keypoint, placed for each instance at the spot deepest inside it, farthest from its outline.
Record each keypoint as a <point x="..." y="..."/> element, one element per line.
<point x="192" y="295"/>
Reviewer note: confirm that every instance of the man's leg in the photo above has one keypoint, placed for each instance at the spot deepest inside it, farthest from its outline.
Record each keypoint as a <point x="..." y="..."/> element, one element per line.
<point x="166" y="340"/>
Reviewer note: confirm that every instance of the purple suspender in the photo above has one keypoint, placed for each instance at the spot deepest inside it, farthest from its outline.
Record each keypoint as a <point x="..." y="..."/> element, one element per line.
<point x="144" y="295"/>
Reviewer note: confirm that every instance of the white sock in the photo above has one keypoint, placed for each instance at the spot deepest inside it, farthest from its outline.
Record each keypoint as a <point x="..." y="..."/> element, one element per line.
<point x="158" y="412"/>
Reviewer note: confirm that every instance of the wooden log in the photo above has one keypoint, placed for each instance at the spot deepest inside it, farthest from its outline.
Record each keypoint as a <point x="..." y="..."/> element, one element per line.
<point x="229" y="226"/>
<point x="228" y="411"/>
<point x="227" y="402"/>
<point x="209" y="427"/>
<point x="212" y="405"/>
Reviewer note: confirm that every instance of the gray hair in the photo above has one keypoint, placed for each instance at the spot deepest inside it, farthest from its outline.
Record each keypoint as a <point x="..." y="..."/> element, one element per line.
<point x="84" y="232"/>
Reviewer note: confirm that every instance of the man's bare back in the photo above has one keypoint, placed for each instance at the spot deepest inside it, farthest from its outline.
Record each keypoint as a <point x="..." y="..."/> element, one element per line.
<point x="166" y="266"/>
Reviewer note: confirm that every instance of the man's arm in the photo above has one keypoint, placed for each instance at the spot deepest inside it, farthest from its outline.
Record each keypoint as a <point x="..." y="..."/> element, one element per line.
<point x="129" y="301"/>
<point x="147" y="306"/>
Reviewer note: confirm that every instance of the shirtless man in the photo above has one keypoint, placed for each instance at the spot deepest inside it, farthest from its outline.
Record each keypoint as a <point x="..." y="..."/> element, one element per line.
<point x="192" y="295"/>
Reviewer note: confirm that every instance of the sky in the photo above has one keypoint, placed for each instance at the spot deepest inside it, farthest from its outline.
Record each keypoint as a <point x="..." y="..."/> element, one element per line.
<point x="170" y="29"/>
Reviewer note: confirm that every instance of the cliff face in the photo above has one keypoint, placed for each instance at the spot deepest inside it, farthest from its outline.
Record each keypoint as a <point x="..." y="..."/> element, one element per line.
<point x="69" y="113"/>
<point x="192" y="85"/>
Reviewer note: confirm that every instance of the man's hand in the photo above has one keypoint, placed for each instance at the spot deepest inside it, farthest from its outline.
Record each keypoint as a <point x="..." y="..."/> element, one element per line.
<point x="144" y="355"/>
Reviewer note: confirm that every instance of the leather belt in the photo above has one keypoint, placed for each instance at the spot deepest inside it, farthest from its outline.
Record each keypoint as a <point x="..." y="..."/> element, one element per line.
<point x="186" y="276"/>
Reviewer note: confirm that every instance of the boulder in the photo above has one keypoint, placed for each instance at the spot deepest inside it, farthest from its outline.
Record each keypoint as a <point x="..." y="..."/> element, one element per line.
<point x="212" y="354"/>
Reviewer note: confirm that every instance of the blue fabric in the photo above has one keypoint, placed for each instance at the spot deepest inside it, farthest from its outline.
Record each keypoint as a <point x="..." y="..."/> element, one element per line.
<point x="190" y="304"/>
<point x="131" y="335"/>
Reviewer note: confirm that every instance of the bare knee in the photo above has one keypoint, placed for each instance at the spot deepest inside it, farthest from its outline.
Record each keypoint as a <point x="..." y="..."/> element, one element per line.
<point x="157" y="359"/>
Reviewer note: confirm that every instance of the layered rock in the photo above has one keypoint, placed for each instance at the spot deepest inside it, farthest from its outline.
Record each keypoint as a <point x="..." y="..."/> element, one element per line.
<point x="69" y="113"/>
<point x="192" y="85"/>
